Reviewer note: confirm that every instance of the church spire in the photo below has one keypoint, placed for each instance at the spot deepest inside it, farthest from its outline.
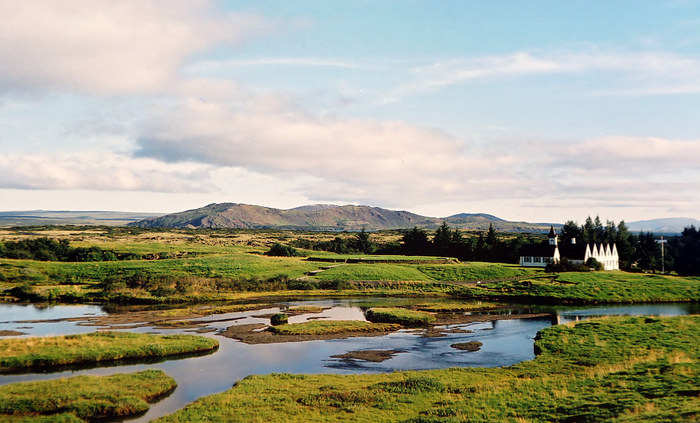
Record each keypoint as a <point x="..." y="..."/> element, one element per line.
<point x="552" y="236"/>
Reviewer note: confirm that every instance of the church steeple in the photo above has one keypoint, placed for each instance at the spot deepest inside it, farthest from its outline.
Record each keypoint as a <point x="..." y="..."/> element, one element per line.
<point x="552" y="236"/>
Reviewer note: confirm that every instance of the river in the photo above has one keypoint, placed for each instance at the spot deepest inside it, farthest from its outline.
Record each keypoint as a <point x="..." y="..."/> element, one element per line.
<point x="505" y="342"/>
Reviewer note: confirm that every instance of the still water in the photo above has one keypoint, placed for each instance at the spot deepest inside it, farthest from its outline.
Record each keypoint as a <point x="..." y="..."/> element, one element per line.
<point x="505" y="342"/>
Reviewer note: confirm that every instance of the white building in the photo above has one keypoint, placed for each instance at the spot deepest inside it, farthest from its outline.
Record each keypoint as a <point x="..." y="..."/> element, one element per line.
<point x="543" y="254"/>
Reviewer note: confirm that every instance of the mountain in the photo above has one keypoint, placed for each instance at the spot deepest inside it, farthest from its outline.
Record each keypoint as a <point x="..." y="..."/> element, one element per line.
<point x="324" y="217"/>
<point x="65" y="217"/>
<point x="671" y="225"/>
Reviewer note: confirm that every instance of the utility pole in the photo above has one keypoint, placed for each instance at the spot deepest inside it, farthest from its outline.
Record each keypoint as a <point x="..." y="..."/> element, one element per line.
<point x="662" y="241"/>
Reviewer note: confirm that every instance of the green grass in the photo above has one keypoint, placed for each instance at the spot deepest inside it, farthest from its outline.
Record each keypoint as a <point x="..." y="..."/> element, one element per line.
<point x="374" y="272"/>
<point x="606" y="370"/>
<point x="325" y="327"/>
<point x="306" y="309"/>
<point x="450" y="307"/>
<point x="477" y="271"/>
<point x="401" y="316"/>
<point x="83" y="397"/>
<point x="238" y="264"/>
<point x="594" y="287"/>
<point x="207" y="311"/>
<point x="427" y="273"/>
<point x="17" y="353"/>
<point x="221" y="266"/>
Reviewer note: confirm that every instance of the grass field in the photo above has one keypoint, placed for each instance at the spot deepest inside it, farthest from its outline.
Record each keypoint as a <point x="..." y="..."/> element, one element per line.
<point x="623" y="369"/>
<point x="319" y="327"/>
<point x="595" y="287"/>
<point x="18" y="353"/>
<point x="82" y="398"/>
<point x="402" y="316"/>
<point x="209" y="265"/>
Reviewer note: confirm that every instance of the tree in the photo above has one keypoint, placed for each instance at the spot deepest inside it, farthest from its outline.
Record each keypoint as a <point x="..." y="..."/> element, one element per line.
<point x="415" y="241"/>
<point x="598" y="230"/>
<point x="609" y="232"/>
<point x="279" y="250"/>
<point x="362" y="243"/>
<point x="571" y="230"/>
<point x="491" y="239"/>
<point x="687" y="254"/>
<point x="647" y="251"/>
<point x="442" y="241"/>
<point x="625" y="245"/>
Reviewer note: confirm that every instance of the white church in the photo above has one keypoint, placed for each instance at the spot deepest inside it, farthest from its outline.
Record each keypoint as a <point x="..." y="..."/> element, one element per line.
<point x="552" y="252"/>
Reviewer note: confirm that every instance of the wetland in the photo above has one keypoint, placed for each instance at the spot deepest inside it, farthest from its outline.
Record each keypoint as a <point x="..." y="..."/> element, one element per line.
<point x="506" y="333"/>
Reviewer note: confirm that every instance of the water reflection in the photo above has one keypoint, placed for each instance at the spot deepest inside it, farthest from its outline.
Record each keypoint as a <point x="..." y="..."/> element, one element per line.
<point x="505" y="342"/>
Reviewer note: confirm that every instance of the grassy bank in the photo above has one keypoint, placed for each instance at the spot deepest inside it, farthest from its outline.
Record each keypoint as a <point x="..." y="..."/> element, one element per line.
<point x="83" y="397"/>
<point x="590" y="288"/>
<point x="617" y="369"/>
<point x="402" y="316"/>
<point x="319" y="327"/>
<point x="207" y="266"/>
<point x="17" y="353"/>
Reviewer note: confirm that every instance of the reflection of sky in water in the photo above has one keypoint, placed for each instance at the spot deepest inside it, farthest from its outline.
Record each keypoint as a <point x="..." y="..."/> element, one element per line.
<point x="20" y="317"/>
<point x="505" y="342"/>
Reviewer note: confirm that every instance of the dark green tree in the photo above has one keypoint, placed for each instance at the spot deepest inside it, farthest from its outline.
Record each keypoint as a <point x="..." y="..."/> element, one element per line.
<point x="442" y="241"/>
<point x="415" y="241"/>
<point x="491" y="238"/>
<point x="625" y="245"/>
<point x="609" y="232"/>
<point x="647" y="252"/>
<point x="571" y="230"/>
<point x="362" y="243"/>
<point x="687" y="252"/>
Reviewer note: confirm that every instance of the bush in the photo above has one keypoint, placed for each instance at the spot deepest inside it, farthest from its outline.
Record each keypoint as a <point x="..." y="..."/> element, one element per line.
<point x="303" y="285"/>
<point x="279" y="319"/>
<point x="279" y="250"/>
<point x="401" y="316"/>
<point x="565" y="265"/>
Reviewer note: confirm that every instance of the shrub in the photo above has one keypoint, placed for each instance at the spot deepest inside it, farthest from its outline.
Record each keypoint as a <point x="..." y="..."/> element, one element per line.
<point x="401" y="316"/>
<point x="279" y="319"/>
<point x="279" y="250"/>
<point x="303" y="285"/>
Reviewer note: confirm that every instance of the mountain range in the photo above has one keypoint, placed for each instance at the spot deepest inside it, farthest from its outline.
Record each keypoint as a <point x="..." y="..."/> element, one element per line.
<point x="311" y="217"/>
<point x="326" y="217"/>
<point x="671" y="225"/>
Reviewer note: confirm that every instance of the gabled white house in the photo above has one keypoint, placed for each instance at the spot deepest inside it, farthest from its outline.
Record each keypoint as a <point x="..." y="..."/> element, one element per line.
<point x="543" y="254"/>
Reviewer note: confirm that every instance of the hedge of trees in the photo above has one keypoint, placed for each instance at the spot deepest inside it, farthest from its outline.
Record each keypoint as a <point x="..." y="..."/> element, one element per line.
<point x="641" y="251"/>
<point x="452" y="243"/>
<point x="48" y="249"/>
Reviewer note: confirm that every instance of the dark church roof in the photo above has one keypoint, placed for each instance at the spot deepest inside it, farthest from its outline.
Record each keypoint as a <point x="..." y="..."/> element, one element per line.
<point x="573" y="251"/>
<point x="551" y="234"/>
<point x="538" y="250"/>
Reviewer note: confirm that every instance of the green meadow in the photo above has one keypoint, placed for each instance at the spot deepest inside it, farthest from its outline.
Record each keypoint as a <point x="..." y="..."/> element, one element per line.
<point x="623" y="369"/>
<point x="43" y="352"/>
<point x="83" y="398"/>
<point x="589" y="288"/>
<point x="319" y="327"/>
<point x="201" y="266"/>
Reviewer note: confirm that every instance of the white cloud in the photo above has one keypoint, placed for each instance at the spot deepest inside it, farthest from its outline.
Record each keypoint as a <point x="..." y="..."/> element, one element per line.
<point x="271" y="136"/>
<point x="100" y="171"/>
<point x="634" y="73"/>
<point x="110" y="47"/>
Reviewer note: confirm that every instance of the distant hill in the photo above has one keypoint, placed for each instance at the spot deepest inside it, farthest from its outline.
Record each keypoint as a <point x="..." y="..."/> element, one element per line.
<point x="324" y="217"/>
<point x="46" y="217"/>
<point x="671" y="225"/>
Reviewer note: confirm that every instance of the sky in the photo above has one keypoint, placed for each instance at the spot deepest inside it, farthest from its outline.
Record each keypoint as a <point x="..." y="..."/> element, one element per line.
<point x="538" y="110"/>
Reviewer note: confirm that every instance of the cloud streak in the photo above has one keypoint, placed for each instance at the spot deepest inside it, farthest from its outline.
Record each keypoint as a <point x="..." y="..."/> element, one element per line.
<point x="104" y="47"/>
<point x="394" y="163"/>
<point x="636" y="73"/>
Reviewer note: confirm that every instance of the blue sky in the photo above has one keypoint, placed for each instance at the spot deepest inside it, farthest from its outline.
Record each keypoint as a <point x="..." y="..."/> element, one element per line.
<point x="529" y="110"/>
